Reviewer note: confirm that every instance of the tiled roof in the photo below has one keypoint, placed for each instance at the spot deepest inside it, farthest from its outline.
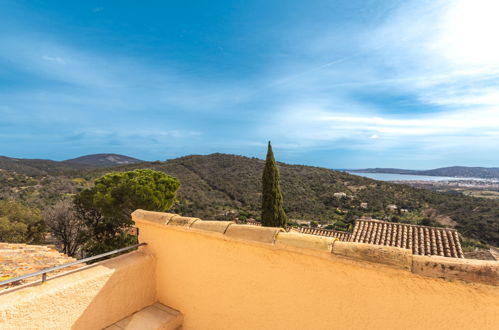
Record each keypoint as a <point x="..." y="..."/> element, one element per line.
<point x="422" y="240"/>
<point x="20" y="259"/>
<point x="341" y="235"/>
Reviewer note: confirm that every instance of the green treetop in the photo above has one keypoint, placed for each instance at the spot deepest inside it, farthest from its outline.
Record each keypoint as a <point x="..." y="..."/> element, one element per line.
<point x="273" y="214"/>
<point x="106" y="207"/>
<point x="20" y="224"/>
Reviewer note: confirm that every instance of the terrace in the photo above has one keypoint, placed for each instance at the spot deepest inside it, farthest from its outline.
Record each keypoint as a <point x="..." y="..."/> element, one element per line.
<point x="198" y="274"/>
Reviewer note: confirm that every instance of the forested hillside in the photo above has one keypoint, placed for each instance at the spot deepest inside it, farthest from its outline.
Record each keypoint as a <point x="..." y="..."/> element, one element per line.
<point x="222" y="186"/>
<point x="51" y="167"/>
<point x="36" y="166"/>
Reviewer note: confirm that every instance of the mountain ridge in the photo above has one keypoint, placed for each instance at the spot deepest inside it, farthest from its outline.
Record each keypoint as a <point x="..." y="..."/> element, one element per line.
<point x="36" y="166"/>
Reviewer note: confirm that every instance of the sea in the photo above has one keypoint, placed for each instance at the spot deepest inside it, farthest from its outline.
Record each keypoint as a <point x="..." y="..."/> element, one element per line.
<point x="408" y="177"/>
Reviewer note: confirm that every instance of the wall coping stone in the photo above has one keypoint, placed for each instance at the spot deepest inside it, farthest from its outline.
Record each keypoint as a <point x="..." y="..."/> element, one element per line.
<point x="157" y="217"/>
<point x="181" y="221"/>
<point x="212" y="225"/>
<point x="388" y="255"/>
<point x="253" y="233"/>
<point x="483" y="271"/>
<point x="305" y="241"/>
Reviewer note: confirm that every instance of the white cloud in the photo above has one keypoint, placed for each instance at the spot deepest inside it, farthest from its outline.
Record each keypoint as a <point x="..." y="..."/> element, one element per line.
<point x="446" y="51"/>
<point x="55" y="59"/>
<point x="442" y="53"/>
<point x="314" y="127"/>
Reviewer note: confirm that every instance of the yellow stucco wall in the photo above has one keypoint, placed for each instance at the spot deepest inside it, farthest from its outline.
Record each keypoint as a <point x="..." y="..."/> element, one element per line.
<point x="92" y="298"/>
<point x="219" y="282"/>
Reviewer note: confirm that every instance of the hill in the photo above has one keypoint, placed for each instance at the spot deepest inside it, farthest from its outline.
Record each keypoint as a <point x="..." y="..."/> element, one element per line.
<point x="215" y="184"/>
<point x="36" y="166"/>
<point x="103" y="160"/>
<point x="453" y="171"/>
<point x="221" y="186"/>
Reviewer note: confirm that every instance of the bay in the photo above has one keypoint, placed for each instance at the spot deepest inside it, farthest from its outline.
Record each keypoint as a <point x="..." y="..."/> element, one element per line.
<point x="408" y="177"/>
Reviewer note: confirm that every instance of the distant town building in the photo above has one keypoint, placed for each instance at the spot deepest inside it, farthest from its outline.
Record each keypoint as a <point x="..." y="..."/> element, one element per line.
<point x="302" y="222"/>
<point x="340" y="195"/>
<point x="228" y="213"/>
<point x="391" y="207"/>
<point x="363" y="205"/>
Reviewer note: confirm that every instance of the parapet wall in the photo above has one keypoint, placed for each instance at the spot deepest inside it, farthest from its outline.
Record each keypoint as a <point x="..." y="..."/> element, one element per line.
<point x="227" y="276"/>
<point x="468" y="270"/>
<point x="90" y="298"/>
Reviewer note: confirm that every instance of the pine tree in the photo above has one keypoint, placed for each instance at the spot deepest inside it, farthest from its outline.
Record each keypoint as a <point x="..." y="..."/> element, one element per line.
<point x="272" y="210"/>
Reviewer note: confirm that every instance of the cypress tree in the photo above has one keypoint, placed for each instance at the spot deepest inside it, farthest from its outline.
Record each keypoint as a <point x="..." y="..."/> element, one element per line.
<point x="272" y="211"/>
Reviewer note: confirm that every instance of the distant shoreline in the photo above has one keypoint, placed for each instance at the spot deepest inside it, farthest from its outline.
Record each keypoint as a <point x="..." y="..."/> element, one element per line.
<point x="414" y="177"/>
<point x="447" y="173"/>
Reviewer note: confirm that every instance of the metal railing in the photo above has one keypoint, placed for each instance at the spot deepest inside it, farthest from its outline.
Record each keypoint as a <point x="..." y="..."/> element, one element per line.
<point x="44" y="272"/>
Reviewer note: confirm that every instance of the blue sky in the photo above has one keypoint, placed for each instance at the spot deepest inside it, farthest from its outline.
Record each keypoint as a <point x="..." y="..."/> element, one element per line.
<point x="338" y="84"/>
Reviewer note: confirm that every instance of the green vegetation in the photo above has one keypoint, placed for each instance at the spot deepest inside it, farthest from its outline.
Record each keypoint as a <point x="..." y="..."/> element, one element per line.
<point x="106" y="207"/>
<point x="272" y="211"/>
<point x="20" y="224"/>
<point x="220" y="186"/>
<point x="482" y="193"/>
<point x="469" y="244"/>
<point x="39" y="191"/>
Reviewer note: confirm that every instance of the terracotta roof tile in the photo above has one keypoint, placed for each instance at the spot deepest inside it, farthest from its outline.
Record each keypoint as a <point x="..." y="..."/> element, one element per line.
<point x="341" y="235"/>
<point x="422" y="240"/>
